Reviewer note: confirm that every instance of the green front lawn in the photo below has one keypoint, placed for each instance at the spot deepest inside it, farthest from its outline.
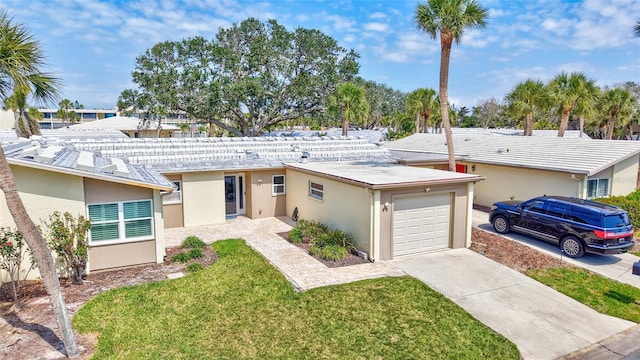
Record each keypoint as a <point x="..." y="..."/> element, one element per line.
<point x="242" y="307"/>
<point x="598" y="292"/>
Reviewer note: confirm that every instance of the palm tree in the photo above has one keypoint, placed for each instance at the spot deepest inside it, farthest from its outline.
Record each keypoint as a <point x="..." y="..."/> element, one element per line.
<point x="350" y="102"/>
<point x="568" y="90"/>
<point x="20" y="61"/>
<point x="25" y="124"/>
<point x="421" y="103"/>
<point x="585" y="104"/>
<point x="525" y="98"/>
<point x="449" y="18"/>
<point x="636" y="29"/>
<point x="616" y="102"/>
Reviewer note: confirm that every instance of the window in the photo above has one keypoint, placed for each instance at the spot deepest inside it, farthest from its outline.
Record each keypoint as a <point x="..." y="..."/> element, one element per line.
<point x="535" y="206"/>
<point x="277" y="184"/>
<point x="120" y="222"/>
<point x="174" y="197"/>
<point x="597" y="188"/>
<point x="316" y="190"/>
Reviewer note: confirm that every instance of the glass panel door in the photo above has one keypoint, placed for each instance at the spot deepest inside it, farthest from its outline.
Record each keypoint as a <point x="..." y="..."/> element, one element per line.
<point x="230" y="185"/>
<point x="234" y="194"/>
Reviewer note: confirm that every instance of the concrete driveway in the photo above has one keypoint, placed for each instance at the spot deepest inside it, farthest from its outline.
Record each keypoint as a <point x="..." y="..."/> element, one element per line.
<point x="543" y="323"/>
<point x="616" y="267"/>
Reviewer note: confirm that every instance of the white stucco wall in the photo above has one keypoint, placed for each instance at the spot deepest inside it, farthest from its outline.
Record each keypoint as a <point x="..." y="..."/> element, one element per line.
<point x="7" y="119"/>
<point x="203" y="198"/>
<point x="42" y="193"/>
<point x="504" y="182"/>
<point x="345" y="207"/>
<point x="625" y="176"/>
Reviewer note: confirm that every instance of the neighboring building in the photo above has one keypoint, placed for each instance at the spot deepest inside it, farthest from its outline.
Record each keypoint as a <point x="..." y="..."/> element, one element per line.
<point x="130" y="126"/>
<point x="51" y="121"/>
<point x="522" y="167"/>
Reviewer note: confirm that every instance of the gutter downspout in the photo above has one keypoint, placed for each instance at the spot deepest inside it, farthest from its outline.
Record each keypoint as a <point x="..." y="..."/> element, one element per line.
<point x="374" y="237"/>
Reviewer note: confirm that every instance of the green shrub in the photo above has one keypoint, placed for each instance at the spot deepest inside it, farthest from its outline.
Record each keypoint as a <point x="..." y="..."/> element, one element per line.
<point x="329" y="252"/>
<point x="306" y="231"/>
<point x="181" y="257"/>
<point x="630" y="203"/>
<point x="195" y="253"/>
<point x="194" y="267"/>
<point x="193" y="242"/>
<point x="339" y="238"/>
<point x="184" y="257"/>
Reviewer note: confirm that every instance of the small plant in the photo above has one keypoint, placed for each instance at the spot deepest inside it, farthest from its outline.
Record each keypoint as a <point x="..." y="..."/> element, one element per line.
<point x="329" y="252"/>
<point x="194" y="267"/>
<point x="184" y="257"/>
<point x="12" y="247"/>
<point x="193" y="242"/>
<point x="195" y="253"/>
<point x="306" y="231"/>
<point x="339" y="238"/>
<point x="68" y="237"/>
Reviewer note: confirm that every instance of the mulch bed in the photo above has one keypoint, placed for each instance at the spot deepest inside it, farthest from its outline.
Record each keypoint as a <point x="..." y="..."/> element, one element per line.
<point x="352" y="259"/>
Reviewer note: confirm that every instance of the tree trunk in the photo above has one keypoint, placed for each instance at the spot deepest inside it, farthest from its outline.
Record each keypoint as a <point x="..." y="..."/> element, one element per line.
<point x="345" y="121"/>
<point x="564" y="120"/>
<point x="417" y="123"/>
<point x="446" y="39"/>
<point x="41" y="252"/>
<point x="528" y="130"/>
<point x="612" y="120"/>
<point x="581" y="125"/>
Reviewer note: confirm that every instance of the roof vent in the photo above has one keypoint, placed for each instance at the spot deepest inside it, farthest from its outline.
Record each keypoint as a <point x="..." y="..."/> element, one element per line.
<point x="47" y="154"/>
<point x="304" y="157"/>
<point x="121" y="168"/>
<point x="501" y="150"/>
<point x="85" y="161"/>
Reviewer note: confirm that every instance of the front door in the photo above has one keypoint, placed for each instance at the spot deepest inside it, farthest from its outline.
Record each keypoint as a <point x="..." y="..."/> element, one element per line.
<point x="234" y="194"/>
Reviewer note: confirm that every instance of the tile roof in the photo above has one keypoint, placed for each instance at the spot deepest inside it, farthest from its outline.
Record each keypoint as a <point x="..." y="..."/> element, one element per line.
<point x="168" y="155"/>
<point x="580" y="156"/>
<point x="58" y="157"/>
<point x="516" y="132"/>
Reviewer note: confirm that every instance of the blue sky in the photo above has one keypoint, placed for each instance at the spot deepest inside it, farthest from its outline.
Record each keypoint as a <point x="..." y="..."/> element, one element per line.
<point x="92" y="45"/>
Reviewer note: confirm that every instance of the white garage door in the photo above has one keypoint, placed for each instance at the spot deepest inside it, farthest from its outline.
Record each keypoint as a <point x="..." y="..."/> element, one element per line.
<point x="421" y="224"/>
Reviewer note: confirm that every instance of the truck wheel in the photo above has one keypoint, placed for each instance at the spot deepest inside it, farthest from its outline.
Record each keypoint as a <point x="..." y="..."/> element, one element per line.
<point x="501" y="224"/>
<point x="572" y="247"/>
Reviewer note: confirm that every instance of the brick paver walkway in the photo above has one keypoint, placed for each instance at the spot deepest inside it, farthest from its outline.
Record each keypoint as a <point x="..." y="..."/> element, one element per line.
<point x="302" y="270"/>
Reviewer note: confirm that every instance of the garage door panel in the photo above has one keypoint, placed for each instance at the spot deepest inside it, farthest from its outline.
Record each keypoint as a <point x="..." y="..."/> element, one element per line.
<point x="421" y="224"/>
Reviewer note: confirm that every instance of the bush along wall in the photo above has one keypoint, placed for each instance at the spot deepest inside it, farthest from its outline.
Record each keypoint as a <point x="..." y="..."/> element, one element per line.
<point x="630" y="203"/>
<point x="327" y="244"/>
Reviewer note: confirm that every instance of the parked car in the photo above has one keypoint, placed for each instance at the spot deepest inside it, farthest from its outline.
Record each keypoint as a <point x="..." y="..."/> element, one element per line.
<point x="576" y="225"/>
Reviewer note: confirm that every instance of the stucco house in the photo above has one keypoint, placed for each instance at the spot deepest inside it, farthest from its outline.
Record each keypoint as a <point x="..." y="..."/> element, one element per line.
<point x="518" y="167"/>
<point x="123" y="200"/>
<point x="347" y="182"/>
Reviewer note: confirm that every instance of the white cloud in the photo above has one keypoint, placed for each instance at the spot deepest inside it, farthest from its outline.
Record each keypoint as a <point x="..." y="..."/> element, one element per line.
<point x="376" y="26"/>
<point x="378" y="15"/>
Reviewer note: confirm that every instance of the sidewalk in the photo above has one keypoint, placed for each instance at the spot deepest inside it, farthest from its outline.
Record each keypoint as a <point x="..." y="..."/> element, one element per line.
<point x="303" y="271"/>
<point x="624" y="345"/>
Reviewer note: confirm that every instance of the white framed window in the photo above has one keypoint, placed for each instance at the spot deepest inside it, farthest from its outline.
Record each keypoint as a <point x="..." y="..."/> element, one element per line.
<point x="597" y="188"/>
<point x="174" y="197"/>
<point x="118" y="222"/>
<point x="277" y="185"/>
<point x="316" y="190"/>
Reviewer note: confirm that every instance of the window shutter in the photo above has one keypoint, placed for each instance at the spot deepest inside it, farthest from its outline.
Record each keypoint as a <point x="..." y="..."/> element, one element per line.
<point x="135" y="228"/>
<point x="103" y="212"/>
<point x="104" y="231"/>
<point x="138" y="209"/>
